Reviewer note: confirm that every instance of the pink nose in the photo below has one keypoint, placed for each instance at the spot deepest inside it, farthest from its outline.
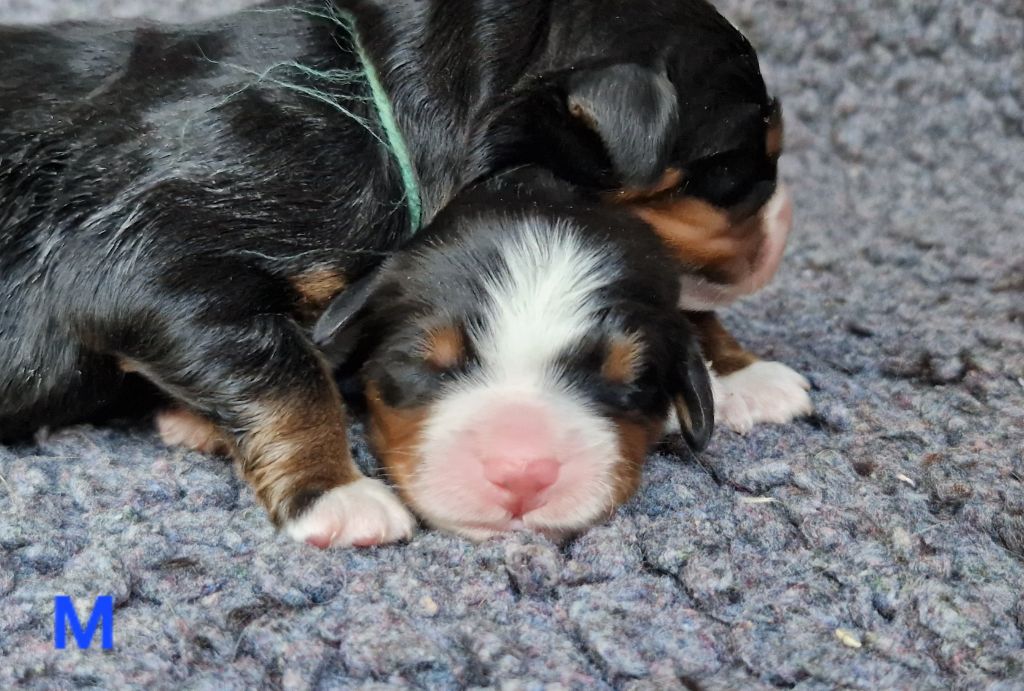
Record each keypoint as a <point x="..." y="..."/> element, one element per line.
<point x="516" y="447"/>
<point x="524" y="480"/>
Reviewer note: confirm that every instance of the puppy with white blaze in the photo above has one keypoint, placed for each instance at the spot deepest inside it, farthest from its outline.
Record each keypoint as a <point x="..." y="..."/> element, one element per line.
<point x="519" y="360"/>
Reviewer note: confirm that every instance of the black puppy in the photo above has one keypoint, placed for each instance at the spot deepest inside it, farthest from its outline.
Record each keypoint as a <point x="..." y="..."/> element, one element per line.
<point x="178" y="204"/>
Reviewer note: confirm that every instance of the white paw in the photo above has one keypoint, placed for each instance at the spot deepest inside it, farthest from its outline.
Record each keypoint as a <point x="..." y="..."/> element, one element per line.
<point x="360" y="514"/>
<point x="179" y="427"/>
<point x="762" y="392"/>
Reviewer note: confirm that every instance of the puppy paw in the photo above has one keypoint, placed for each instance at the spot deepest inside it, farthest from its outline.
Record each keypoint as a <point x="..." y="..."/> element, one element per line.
<point x="762" y="392"/>
<point x="360" y="514"/>
<point x="178" y="427"/>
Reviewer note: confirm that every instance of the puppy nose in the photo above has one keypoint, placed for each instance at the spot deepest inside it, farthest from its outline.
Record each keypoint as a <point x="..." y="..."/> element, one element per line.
<point x="517" y="451"/>
<point x="524" y="479"/>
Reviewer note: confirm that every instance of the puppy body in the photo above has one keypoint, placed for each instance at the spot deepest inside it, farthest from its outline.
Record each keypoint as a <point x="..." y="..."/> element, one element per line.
<point x="150" y="191"/>
<point x="177" y="204"/>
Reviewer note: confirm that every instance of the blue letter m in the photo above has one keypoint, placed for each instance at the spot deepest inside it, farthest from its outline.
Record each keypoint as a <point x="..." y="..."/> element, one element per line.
<point x="64" y="615"/>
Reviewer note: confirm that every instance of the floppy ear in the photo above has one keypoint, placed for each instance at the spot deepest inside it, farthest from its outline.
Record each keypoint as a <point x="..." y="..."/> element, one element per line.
<point x="693" y="401"/>
<point x="634" y="111"/>
<point x="337" y="331"/>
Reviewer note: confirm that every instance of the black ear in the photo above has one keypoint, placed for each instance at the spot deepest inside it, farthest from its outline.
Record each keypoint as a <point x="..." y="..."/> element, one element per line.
<point x="337" y="331"/>
<point x="634" y="110"/>
<point x="694" y="402"/>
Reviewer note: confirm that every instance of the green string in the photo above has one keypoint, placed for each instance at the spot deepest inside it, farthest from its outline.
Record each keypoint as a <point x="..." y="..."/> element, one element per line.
<point x="382" y="102"/>
<point x="389" y="122"/>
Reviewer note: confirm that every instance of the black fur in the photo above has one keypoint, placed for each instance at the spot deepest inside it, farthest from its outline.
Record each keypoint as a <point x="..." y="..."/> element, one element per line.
<point x="162" y="188"/>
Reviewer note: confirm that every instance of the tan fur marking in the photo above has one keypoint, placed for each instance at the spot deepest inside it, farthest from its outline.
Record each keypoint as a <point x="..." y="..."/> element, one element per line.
<point x="579" y="111"/>
<point x="622" y="361"/>
<point x="295" y="446"/>
<point x="395" y="437"/>
<point x="704" y="237"/>
<point x="319" y="286"/>
<point x="682" y="411"/>
<point x="670" y="179"/>
<point x="445" y="347"/>
<point x="635" y="440"/>
<point x="718" y="345"/>
<point x="128" y="366"/>
<point x="776" y="136"/>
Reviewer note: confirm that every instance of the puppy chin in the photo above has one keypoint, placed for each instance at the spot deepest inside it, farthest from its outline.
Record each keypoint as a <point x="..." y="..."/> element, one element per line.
<point x="700" y="295"/>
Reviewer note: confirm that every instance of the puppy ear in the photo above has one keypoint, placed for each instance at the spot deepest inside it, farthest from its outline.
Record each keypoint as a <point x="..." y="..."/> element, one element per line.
<point x="337" y="331"/>
<point x="634" y="111"/>
<point x="694" y="402"/>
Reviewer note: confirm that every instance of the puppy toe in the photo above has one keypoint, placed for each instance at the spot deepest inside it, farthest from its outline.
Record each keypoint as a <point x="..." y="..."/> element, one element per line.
<point x="735" y="413"/>
<point x="363" y="513"/>
<point x="178" y="427"/>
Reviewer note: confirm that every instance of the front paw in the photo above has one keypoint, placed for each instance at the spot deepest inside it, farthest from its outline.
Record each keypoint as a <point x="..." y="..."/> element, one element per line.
<point x="360" y="514"/>
<point x="761" y="392"/>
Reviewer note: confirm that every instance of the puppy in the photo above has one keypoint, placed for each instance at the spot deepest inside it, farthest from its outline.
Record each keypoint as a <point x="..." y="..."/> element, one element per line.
<point x="695" y="155"/>
<point x="521" y="357"/>
<point x="179" y="204"/>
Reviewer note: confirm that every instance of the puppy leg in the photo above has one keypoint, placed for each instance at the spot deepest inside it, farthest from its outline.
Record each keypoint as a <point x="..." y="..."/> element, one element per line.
<point x="260" y="380"/>
<point x="748" y="390"/>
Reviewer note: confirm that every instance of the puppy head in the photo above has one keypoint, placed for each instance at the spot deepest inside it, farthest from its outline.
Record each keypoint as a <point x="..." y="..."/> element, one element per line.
<point x="518" y="369"/>
<point x="665" y="112"/>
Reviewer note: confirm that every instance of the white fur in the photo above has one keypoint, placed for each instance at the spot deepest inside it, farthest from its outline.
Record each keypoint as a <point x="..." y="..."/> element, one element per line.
<point x="763" y="392"/>
<point x="540" y="306"/>
<point x="363" y="512"/>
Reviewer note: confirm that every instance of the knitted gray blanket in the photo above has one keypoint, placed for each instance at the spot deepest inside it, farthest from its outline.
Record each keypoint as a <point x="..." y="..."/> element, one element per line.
<point x="879" y="544"/>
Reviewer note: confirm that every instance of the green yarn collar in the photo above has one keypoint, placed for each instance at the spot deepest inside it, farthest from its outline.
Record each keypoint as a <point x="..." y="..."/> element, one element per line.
<point x="389" y="123"/>
<point x="279" y="74"/>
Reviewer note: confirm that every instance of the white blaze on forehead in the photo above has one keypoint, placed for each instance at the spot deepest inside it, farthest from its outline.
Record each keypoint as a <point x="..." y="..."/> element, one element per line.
<point x="541" y="303"/>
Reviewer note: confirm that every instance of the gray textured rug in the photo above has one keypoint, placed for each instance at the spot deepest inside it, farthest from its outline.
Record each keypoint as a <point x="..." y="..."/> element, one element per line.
<point x="895" y="517"/>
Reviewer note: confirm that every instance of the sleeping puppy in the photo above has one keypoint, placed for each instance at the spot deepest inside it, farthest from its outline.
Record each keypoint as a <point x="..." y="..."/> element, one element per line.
<point x="521" y="357"/>
<point x="694" y="154"/>
<point x="179" y="204"/>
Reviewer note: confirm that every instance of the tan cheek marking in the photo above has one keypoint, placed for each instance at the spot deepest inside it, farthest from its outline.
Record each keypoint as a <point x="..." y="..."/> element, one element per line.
<point x="694" y="229"/>
<point x="718" y="345"/>
<point x="670" y="179"/>
<point x="635" y="440"/>
<point x="703" y="237"/>
<point x="622" y="361"/>
<point x="445" y="348"/>
<point x="395" y="436"/>
<point x="317" y="287"/>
